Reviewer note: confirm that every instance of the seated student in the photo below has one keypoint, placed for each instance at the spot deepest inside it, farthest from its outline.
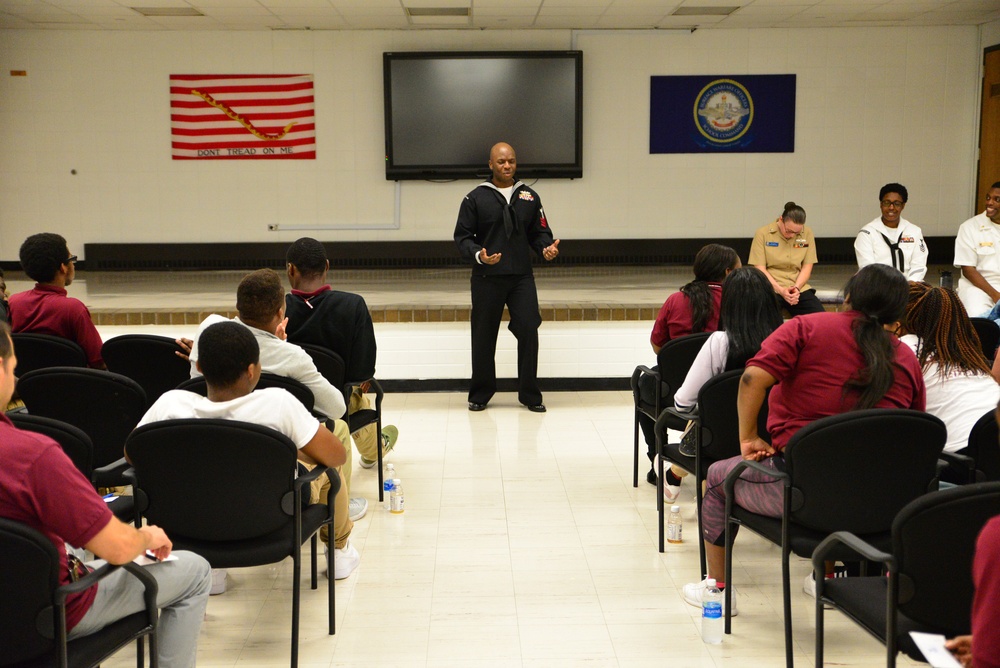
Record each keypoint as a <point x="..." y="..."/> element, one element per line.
<point x="41" y="488"/>
<point x="260" y="302"/>
<point x="340" y="321"/>
<point x="960" y="387"/>
<point x="692" y="309"/>
<point x="981" y="649"/>
<point x="46" y="308"/>
<point x="230" y="361"/>
<point x="873" y="369"/>
<point x="748" y="314"/>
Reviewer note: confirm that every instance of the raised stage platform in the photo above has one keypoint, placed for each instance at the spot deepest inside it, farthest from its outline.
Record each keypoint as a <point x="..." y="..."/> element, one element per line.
<point x="596" y="320"/>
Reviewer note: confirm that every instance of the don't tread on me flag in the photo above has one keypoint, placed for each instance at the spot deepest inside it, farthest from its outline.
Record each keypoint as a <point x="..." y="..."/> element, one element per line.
<point x="248" y="116"/>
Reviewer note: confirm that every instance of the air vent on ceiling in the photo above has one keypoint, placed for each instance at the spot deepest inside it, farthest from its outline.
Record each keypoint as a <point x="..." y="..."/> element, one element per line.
<point x="437" y="12"/>
<point x="167" y="11"/>
<point x="704" y="11"/>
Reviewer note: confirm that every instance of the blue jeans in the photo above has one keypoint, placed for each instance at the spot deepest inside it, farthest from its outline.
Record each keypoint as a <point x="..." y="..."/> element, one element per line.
<point x="182" y="597"/>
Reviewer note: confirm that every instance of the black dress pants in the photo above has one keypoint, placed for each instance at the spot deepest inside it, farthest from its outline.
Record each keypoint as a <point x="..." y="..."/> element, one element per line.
<point x="489" y="295"/>
<point x="808" y="303"/>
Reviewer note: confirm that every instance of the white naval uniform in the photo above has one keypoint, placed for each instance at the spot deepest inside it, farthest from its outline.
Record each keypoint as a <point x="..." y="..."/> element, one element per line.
<point x="871" y="248"/>
<point x="978" y="245"/>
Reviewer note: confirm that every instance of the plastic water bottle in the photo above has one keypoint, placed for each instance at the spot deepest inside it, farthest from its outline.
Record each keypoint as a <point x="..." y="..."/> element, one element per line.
<point x="675" y="525"/>
<point x="387" y="478"/>
<point x="711" y="614"/>
<point x="396" y="500"/>
<point x="947" y="281"/>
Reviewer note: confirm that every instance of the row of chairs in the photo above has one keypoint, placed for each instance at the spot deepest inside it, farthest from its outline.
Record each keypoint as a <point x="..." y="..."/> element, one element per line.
<point x="901" y="448"/>
<point x="225" y="490"/>
<point x="152" y="363"/>
<point x="191" y="477"/>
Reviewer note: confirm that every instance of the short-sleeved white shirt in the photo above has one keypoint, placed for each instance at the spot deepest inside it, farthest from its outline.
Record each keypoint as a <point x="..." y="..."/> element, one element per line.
<point x="271" y="407"/>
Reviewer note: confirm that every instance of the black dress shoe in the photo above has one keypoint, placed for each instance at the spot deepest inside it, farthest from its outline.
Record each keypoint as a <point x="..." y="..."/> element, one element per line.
<point x="473" y="406"/>
<point x="651" y="477"/>
<point x="538" y="408"/>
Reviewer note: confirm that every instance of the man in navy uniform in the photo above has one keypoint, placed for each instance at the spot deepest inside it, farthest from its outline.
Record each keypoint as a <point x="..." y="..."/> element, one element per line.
<point x="498" y="223"/>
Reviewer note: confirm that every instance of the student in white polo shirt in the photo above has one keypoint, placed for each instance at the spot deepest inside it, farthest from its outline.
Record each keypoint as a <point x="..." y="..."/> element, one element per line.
<point x="891" y="239"/>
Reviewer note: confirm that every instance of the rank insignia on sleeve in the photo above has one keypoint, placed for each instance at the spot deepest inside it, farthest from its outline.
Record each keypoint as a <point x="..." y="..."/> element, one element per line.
<point x="542" y="221"/>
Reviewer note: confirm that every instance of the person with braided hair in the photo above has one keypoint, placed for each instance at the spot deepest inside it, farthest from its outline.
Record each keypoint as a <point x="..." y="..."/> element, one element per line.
<point x="692" y="309"/>
<point x="960" y="388"/>
<point x="818" y="365"/>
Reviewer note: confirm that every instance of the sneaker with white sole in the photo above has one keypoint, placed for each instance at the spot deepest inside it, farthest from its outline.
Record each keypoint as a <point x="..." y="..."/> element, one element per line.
<point x="357" y="508"/>
<point x="809" y="587"/>
<point x="218" y="582"/>
<point x="670" y="492"/>
<point x="389" y="435"/>
<point x="345" y="560"/>
<point x="694" y="592"/>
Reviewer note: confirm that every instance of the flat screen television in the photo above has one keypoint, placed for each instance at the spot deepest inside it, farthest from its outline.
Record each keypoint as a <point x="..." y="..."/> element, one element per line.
<point x="444" y="110"/>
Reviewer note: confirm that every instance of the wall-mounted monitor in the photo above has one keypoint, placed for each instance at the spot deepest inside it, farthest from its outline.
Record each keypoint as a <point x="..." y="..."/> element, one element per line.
<point x="444" y="110"/>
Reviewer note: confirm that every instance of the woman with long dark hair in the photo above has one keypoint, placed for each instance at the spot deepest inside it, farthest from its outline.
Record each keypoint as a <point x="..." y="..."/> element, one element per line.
<point x="747" y="315"/>
<point x="818" y="365"/>
<point x="693" y="309"/>
<point x="960" y="387"/>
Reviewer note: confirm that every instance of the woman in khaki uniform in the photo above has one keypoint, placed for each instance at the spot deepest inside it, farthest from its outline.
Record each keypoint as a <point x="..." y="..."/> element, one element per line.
<point x="785" y="251"/>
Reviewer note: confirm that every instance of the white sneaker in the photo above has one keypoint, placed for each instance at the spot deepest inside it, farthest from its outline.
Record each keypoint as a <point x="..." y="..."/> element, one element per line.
<point x="670" y="492"/>
<point x="345" y="560"/>
<point x="809" y="587"/>
<point x="357" y="508"/>
<point x="218" y="582"/>
<point x="695" y="591"/>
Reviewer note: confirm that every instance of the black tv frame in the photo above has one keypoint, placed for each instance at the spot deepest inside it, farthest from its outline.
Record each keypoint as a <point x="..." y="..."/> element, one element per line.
<point x="532" y="171"/>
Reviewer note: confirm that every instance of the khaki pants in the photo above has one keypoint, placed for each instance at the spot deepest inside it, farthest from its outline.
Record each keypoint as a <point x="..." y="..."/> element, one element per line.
<point x="320" y="490"/>
<point x="365" y="439"/>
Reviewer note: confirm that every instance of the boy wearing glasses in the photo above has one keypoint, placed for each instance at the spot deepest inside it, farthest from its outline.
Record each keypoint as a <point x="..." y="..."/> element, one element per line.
<point x="46" y="308"/>
<point x="891" y="239"/>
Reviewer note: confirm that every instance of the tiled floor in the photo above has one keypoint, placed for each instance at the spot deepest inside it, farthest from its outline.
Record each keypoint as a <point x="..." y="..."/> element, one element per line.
<point x="523" y="544"/>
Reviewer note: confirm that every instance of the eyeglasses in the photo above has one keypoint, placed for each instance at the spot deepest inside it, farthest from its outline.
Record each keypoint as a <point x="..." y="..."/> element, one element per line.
<point x="70" y="260"/>
<point x="891" y="204"/>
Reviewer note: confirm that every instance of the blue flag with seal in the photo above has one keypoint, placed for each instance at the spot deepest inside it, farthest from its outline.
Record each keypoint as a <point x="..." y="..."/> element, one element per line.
<point x="751" y="113"/>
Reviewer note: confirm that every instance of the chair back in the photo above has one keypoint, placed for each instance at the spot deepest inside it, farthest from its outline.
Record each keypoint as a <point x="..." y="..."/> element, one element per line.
<point x="855" y="471"/>
<point x="149" y="360"/>
<point x="329" y="364"/>
<point x="106" y="406"/>
<point x="30" y="567"/>
<point x="984" y="446"/>
<point x="934" y="540"/>
<point x="674" y="361"/>
<point x="73" y="440"/>
<point x="720" y="422"/>
<point x="213" y="480"/>
<point x="40" y="351"/>
<point x="198" y="385"/>
<point x="989" y="336"/>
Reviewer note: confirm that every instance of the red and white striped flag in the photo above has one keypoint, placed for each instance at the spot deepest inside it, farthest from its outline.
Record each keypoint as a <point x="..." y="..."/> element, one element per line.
<point x="231" y="116"/>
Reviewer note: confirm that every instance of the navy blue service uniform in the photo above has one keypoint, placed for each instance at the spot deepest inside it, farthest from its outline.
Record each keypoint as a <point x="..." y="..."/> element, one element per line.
<point x="485" y="219"/>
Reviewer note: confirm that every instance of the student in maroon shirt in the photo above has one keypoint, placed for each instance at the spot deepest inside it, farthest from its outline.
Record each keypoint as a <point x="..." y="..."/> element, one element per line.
<point x="46" y="308"/>
<point x="41" y="488"/>
<point x="693" y="309"/>
<point x="817" y="365"/>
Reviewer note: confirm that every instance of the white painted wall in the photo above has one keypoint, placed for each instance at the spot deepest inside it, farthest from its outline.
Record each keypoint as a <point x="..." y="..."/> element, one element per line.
<point x="874" y="105"/>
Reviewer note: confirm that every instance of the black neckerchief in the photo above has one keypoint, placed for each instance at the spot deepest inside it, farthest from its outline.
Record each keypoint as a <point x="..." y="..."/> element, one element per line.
<point x="896" y="252"/>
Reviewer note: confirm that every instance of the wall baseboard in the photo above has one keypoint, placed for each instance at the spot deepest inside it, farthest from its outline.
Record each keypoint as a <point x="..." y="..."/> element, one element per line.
<point x="422" y="254"/>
